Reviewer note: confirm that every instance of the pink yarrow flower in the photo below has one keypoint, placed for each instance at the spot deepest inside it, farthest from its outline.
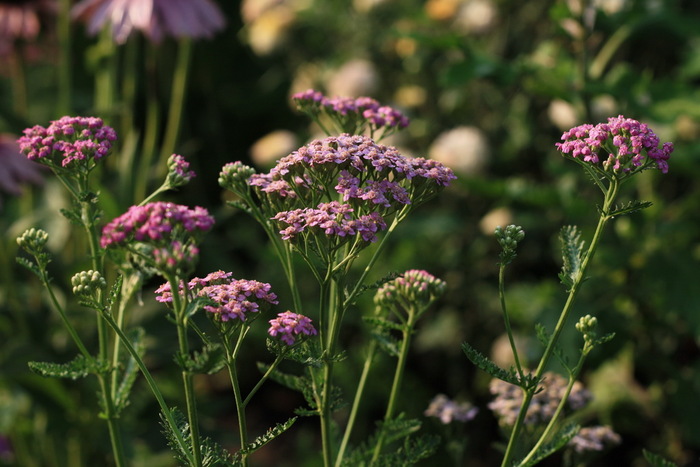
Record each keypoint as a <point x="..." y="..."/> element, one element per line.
<point x="288" y="326"/>
<point x="621" y="146"/>
<point x="155" y="18"/>
<point x="68" y="141"/>
<point x="158" y="223"/>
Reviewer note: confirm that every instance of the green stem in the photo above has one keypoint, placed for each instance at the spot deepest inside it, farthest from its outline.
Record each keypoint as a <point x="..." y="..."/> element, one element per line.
<point x="506" y="319"/>
<point x="175" y="430"/>
<point x="356" y="402"/>
<point x="177" y="99"/>
<point x="398" y="378"/>
<point x="180" y="307"/>
<point x="560" y="408"/>
<point x="610" y="196"/>
<point x="240" y="405"/>
<point x="112" y="422"/>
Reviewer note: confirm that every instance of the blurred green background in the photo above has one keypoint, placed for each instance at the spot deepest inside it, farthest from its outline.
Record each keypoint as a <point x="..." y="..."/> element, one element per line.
<point x="489" y="86"/>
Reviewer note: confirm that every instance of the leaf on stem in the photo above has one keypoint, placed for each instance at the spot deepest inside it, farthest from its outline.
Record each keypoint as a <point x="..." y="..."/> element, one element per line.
<point x="657" y="461"/>
<point x="131" y="369"/>
<point x="629" y="208"/>
<point x="79" y="367"/>
<point x="208" y="361"/>
<point x="560" y="439"/>
<point x="29" y="265"/>
<point x="482" y="362"/>
<point x="212" y="453"/>
<point x="572" y="255"/>
<point x="262" y="440"/>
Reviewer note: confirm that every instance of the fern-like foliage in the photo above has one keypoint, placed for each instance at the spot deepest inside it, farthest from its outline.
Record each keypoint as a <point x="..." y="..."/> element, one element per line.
<point x="411" y="451"/>
<point x="560" y="439"/>
<point x="656" y="460"/>
<point x="79" y="367"/>
<point x="29" y="265"/>
<point x="213" y="455"/>
<point x="482" y="362"/>
<point x="211" y="359"/>
<point x="262" y="440"/>
<point x="573" y="255"/>
<point x="629" y="208"/>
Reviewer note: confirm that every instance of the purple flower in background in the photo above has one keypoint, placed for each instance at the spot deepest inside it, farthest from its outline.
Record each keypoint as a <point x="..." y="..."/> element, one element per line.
<point x="15" y="169"/>
<point x="594" y="438"/>
<point x="622" y="145"/>
<point x="158" y="223"/>
<point x="448" y="410"/>
<point x="21" y="21"/>
<point x="155" y="18"/>
<point x="288" y="325"/>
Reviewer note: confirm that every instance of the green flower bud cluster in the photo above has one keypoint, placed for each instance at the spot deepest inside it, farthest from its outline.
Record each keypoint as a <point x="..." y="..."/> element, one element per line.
<point x="413" y="287"/>
<point x="234" y="176"/>
<point x="33" y="240"/>
<point x="509" y="238"/>
<point x="587" y="326"/>
<point x="86" y="283"/>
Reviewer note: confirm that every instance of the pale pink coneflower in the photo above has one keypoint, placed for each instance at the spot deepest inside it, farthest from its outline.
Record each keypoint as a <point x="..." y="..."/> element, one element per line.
<point x="21" y="21"/>
<point x="155" y="18"/>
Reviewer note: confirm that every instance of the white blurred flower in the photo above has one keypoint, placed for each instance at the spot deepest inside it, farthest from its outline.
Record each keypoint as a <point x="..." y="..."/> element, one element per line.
<point x="604" y="106"/>
<point x="476" y="16"/>
<point x="253" y="9"/>
<point x="355" y="78"/>
<point x="265" y="151"/>
<point x="269" y="29"/>
<point x="410" y="96"/>
<point x="562" y="114"/>
<point x="495" y="218"/>
<point x="463" y="149"/>
<point x="610" y="7"/>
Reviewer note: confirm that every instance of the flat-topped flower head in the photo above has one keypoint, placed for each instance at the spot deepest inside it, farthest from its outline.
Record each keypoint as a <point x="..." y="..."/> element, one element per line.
<point x="594" y="438"/>
<point x="413" y="286"/>
<point x="509" y="397"/>
<point x="620" y="147"/>
<point x="349" y="114"/>
<point x="448" y="411"/>
<point x="68" y="142"/>
<point x="233" y="299"/>
<point x="157" y="223"/>
<point x="289" y="327"/>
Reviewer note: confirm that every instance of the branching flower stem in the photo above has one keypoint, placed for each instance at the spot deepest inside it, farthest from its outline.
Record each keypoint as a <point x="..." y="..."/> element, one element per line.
<point x="610" y="196"/>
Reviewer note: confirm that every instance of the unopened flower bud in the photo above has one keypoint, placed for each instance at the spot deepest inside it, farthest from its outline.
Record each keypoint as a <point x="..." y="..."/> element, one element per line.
<point x="509" y="238"/>
<point x="178" y="171"/>
<point x="86" y="283"/>
<point x="33" y="240"/>
<point x="234" y="176"/>
<point x="414" y="286"/>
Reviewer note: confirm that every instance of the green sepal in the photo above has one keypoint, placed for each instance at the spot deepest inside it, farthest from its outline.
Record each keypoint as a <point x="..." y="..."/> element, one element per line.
<point x="264" y="439"/>
<point x="656" y="460"/>
<point x="482" y="362"/>
<point x="629" y="208"/>
<point x="211" y="359"/>
<point x="79" y="367"/>
<point x="573" y="255"/>
<point x="560" y="439"/>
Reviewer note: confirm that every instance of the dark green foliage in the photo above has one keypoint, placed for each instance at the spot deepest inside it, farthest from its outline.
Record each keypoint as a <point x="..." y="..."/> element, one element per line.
<point x="543" y="336"/>
<point x="211" y="359"/>
<point x="572" y="251"/>
<point x="482" y="362"/>
<point x="559" y="440"/>
<point x="129" y="369"/>
<point x="262" y="440"/>
<point x="656" y="460"/>
<point x="629" y="208"/>
<point x="79" y="367"/>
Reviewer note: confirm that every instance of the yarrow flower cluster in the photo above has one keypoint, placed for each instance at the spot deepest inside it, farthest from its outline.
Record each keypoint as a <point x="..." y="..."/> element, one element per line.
<point x="350" y="114"/>
<point x="289" y="326"/>
<point x="176" y="257"/>
<point x="594" y="438"/>
<point x="414" y="286"/>
<point x="158" y="223"/>
<point x="621" y="146"/>
<point x="233" y="298"/>
<point x="68" y="142"/>
<point x="331" y="218"/>
<point x="509" y="397"/>
<point x="447" y="410"/>
<point x="179" y="172"/>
